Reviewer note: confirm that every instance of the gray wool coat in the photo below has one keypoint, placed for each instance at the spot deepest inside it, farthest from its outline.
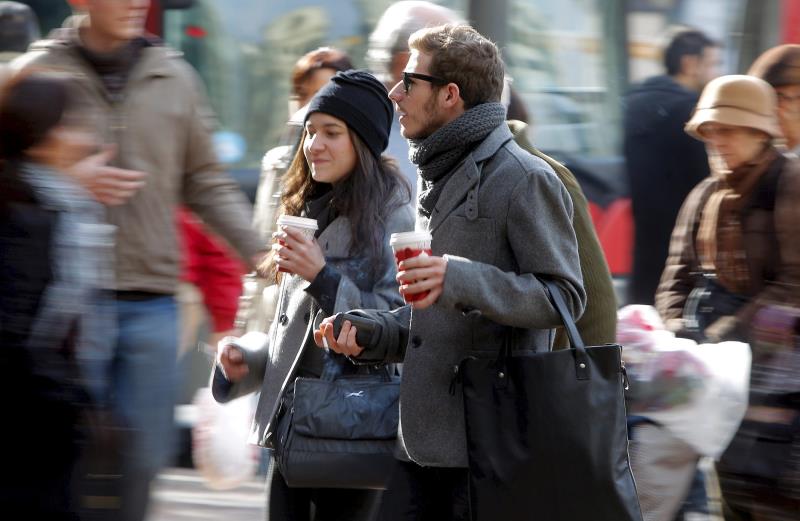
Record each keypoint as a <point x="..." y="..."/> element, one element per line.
<point x="272" y="367"/>
<point x="503" y="220"/>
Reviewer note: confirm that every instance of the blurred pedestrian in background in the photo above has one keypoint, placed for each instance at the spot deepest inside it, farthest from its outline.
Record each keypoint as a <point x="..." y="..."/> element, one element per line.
<point x="311" y="72"/>
<point x="358" y="197"/>
<point x="736" y="245"/>
<point x="18" y="29"/>
<point x="780" y="67"/>
<point x="388" y="55"/>
<point x="148" y="107"/>
<point x="55" y="257"/>
<point x="211" y="283"/>
<point x="662" y="162"/>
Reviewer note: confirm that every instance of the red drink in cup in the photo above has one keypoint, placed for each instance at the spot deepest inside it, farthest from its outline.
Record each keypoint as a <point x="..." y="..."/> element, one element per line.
<point x="407" y="245"/>
<point x="307" y="226"/>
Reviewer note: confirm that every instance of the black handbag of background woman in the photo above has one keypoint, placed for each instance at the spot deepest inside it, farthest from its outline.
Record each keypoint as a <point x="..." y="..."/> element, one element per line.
<point x="546" y="433"/>
<point x="708" y="302"/>
<point x="339" y="431"/>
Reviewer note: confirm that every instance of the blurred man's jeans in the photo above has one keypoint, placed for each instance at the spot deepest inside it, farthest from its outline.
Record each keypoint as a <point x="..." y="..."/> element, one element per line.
<point x="143" y="382"/>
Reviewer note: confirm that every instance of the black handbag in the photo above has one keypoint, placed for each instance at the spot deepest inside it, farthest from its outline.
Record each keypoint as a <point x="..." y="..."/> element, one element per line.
<point x="339" y="431"/>
<point x="547" y="435"/>
<point x="708" y="302"/>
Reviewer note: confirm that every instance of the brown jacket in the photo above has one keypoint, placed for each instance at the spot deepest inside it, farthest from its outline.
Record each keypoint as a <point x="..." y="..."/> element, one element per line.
<point x="162" y="127"/>
<point x="772" y="244"/>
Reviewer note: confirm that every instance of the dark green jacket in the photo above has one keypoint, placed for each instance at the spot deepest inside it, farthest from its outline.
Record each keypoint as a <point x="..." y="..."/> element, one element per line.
<point x="598" y="325"/>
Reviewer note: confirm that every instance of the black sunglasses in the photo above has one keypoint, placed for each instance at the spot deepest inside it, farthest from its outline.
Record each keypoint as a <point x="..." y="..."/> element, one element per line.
<point x="408" y="76"/>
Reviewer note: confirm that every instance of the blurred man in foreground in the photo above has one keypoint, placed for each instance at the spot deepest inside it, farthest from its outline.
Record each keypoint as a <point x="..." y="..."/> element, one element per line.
<point x="148" y="106"/>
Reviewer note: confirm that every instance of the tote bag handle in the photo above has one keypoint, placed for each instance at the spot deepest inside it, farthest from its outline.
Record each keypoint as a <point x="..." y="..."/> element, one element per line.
<point x="575" y="340"/>
<point x="557" y="299"/>
<point x="577" y="348"/>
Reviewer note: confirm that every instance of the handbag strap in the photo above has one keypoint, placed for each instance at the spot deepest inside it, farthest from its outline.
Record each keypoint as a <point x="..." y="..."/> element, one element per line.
<point x="332" y="368"/>
<point x="575" y="340"/>
<point x="557" y="299"/>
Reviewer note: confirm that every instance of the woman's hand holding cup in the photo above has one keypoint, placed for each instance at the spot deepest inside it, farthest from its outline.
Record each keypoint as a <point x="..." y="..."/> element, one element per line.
<point x="296" y="250"/>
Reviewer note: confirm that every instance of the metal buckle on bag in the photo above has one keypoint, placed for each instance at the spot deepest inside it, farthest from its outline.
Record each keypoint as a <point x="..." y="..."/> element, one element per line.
<point x="625" y="382"/>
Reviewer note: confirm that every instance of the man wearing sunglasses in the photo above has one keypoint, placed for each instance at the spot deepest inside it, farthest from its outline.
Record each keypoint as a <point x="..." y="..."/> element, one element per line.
<point x="500" y="219"/>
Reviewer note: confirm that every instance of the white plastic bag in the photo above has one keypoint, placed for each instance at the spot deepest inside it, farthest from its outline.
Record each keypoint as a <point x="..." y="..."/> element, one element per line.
<point x="219" y="441"/>
<point x="703" y="388"/>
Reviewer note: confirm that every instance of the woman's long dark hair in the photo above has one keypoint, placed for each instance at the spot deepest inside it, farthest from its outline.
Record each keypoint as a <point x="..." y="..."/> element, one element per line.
<point x="373" y="190"/>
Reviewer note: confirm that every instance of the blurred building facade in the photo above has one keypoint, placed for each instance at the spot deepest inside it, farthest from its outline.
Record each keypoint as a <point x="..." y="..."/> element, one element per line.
<point x="571" y="61"/>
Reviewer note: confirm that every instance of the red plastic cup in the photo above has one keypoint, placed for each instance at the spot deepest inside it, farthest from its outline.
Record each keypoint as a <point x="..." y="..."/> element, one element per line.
<point x="307" y="226"/>
<point x="407" y="245"/>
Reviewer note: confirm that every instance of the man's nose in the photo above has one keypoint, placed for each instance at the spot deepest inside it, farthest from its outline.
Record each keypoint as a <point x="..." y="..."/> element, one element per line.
<point x="397" y="92"/>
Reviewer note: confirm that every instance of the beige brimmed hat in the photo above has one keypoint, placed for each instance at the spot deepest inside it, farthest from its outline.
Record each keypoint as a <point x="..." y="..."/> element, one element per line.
<point x="744" y="101"/>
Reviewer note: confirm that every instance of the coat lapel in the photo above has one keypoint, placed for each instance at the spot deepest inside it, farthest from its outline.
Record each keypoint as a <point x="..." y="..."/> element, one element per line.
<point x="456" y="189"/>
<point x="467" y="177"/>
<point x="335" y="239"/>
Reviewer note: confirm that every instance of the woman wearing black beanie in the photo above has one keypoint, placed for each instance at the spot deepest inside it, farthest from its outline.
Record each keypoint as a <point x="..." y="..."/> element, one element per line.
<point x="358" y="198"/>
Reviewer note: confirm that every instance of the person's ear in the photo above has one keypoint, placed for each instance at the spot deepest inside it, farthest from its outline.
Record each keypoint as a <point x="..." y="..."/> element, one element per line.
<point x="451" y="95"/>
<point x="689" y="64"/>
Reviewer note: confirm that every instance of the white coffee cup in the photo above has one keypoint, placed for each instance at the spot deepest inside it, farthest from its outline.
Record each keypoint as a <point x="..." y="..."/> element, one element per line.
<point x="307" y="226"/>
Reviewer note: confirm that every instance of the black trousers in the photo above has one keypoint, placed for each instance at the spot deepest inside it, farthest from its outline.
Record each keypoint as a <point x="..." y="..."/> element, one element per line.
<point x="317" y="504"/>
<point x="426" y="494"/>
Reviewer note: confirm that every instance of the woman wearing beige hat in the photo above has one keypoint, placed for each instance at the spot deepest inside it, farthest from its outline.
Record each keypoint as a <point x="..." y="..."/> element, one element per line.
<point x="736" y="249"/>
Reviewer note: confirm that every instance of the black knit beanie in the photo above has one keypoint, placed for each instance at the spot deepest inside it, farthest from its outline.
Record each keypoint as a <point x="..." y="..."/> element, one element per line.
<point x="362" y="102"/>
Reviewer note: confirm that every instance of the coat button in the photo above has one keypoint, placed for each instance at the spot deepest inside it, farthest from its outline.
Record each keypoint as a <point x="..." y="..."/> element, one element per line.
<point x="283" y="319"/>
<point x="416" y="341"/>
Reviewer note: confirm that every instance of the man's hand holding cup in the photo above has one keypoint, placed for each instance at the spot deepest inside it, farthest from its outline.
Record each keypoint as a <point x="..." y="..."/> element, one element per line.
<point x="420" y="274"/>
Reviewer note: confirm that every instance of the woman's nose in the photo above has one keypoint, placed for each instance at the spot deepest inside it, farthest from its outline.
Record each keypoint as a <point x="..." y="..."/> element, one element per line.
<point x="316" y="143"/>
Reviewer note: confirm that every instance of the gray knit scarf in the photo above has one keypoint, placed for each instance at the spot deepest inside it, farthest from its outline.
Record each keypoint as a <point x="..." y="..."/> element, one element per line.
<point x="437" y="155"/>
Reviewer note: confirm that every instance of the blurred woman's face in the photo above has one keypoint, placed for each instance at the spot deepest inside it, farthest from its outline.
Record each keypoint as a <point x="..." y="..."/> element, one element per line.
<point x="63" y="146"/>
<point x="315" y="81"/>
<point x="732" y="144"/>
<point x="328" y="148"/>
<point x="789" y="113"/>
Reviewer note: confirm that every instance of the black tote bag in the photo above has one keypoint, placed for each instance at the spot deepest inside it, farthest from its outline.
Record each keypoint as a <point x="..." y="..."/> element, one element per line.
<point x="546" y="433"/>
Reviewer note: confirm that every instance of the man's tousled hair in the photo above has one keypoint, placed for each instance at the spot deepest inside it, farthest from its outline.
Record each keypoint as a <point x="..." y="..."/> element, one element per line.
<point x="461" y="55"/>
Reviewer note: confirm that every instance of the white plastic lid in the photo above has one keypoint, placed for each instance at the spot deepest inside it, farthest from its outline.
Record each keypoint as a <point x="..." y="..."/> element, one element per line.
<point x="297" y="222"/>
<point x="410" y="238"/>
